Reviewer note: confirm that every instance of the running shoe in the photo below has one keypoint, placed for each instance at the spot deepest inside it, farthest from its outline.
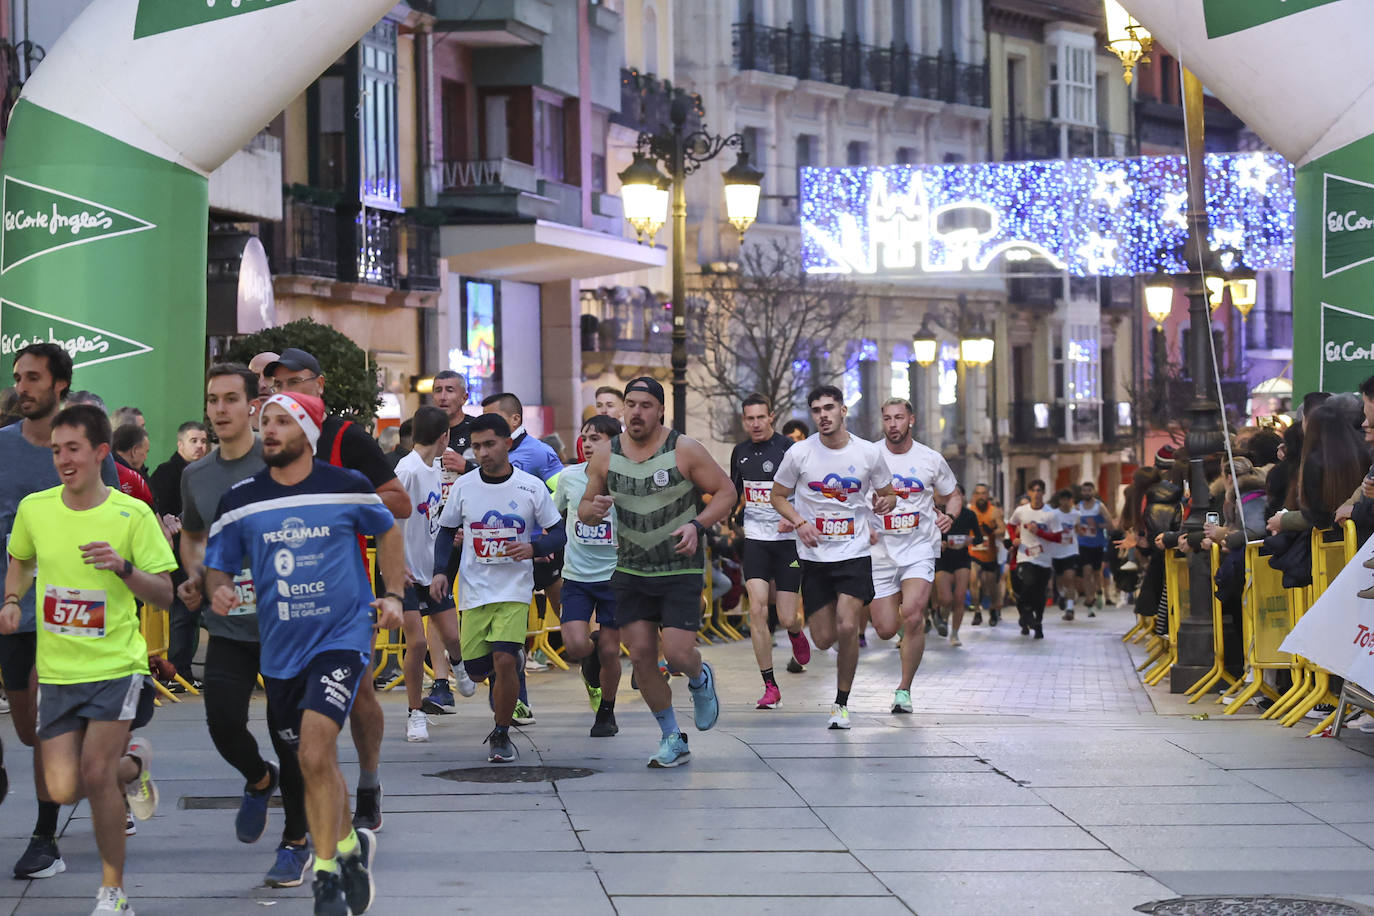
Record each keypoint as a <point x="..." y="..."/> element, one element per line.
<point x="4" y="703"/>
<point x="941" y="625"/>
<point x="112" y="900"/>
<point x="502" y="750"/>
<point x="1025" y="630"/>
<point x="252" y="817"/>
<point x="605" y="725"/>
<point x="839" y="716"/>
<point x="466" y="686"/>
<point x="901" y="701"/>
<point x="329" y="894"/>
<point x="535" y="661"/>
<point x="801" y="647"/>
<point x="367" y="810"/>
<point x="440" y="700"/>
<point x="355" y="872"/>
<point x="771" y="698"/>
<point x="794" y="666"/>
<point x="954" y="639"/>
<point x="141" y="794"/>
<point x="40" y="860"/>
<point x="523" y="715"/>
<point x="4" y="776"/>
<point x="417" y="726"/>
<point x="672" y="752"/>
<point x="292" y="865"/>
<point x="863" y="637"/>
<point x="130" y="825"/>
<point x="593" y="695"/>
<point x="705" y="706"/>
<point x="1068" y="615"/>
<point x="977" y="618"/>
<point x="994" y="618"/>
<point x="1039" y="632"/>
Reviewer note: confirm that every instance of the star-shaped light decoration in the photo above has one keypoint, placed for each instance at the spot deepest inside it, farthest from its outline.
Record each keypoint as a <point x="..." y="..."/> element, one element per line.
<point x="1099" y="253"/>
<point x="1112" y="187"/>
<point x="1228" y="238"/>
<point x="1254" y="171"/>
<point x="1176" y="208"/>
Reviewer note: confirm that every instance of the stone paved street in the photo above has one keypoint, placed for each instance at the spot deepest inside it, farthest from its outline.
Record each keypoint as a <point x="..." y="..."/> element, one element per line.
<point x="1036" y="777"/>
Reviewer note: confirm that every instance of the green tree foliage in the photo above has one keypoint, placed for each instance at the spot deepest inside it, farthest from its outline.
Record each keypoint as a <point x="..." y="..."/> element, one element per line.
<point x="351" y="388"/>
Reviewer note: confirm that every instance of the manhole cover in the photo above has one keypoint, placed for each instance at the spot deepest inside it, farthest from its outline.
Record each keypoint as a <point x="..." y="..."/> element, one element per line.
<point x="512" y="774"/>
<point x="1253" y="906"/>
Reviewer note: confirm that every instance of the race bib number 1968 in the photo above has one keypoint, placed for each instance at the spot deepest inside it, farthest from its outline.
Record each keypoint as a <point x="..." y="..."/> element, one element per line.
<point x="833" y="526"/>
<point x="74" y="611"/>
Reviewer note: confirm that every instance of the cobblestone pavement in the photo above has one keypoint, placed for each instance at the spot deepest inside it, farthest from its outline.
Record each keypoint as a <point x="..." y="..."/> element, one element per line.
<point x="1035" y="777"/>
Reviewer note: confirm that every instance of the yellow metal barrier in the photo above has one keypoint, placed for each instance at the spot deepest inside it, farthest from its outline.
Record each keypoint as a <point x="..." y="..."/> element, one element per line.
<point x="154" y="624"/>
<point x="1265" y="621"/>
<point x="1298" y="600"/>
<point x="1218" y="671"/>
<point x="539" y="629"/>
<point x="1328" y="558"/>
<point x="1176" y="585"/>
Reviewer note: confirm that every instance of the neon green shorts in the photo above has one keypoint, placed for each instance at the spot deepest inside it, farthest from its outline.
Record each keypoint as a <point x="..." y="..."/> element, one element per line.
<point x="501" y="621"/>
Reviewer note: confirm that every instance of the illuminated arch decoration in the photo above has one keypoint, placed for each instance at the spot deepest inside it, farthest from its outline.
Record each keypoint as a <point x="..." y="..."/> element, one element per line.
<point x="1090" y="217"/>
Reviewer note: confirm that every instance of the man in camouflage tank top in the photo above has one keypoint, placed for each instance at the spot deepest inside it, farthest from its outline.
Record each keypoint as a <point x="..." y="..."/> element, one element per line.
<point x="655" y="479"/>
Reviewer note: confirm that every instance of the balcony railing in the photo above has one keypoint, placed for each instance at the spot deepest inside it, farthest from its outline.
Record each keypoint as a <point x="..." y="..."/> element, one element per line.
<point x="375" y="241"/>
<point x="458" y="176"/>
<point x="1035" y="422"/>
<point x="849" y="62"/>
<point x="340" y="242"/>
<point x="312" y="239"/>
<point x="422" y="256"/>
<point x="645" y="102"/>
<point x="1032" y="138"/>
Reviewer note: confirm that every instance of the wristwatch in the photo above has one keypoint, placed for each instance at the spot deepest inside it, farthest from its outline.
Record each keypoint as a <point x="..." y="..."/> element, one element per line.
<point x="127" y="571"/>
<point x="701" y="529"/>
<point x="394" y="595"/>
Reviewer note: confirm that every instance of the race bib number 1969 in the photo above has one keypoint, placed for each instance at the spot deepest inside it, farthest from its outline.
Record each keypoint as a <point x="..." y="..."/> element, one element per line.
<point x="901" y="522"/>
<point x="834" y="526"/>
<point x="74" y="611"/>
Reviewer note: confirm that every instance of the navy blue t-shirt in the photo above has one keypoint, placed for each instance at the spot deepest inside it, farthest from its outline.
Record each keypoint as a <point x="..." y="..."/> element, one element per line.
<point x="302" y="544"/>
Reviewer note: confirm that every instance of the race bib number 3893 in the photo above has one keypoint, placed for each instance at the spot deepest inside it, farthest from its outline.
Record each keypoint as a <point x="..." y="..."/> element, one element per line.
<point x="74" y="611"/>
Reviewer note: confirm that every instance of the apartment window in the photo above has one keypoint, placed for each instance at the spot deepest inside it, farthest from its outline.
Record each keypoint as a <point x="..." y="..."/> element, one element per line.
<point x="549" y="133"/>
<point x="330" y="142"/>
<point x="749" y="10"/>
<point x="906" y="155"/>
<point x="381" y="179"/>
<point x="801" y="15"/>
<point x="1073" y="85"/>
<point x="807" y="145"/>
<point x="901" y="23"/>
<point x="650" y="40"/>
<point x="947" y="32"/>
<point x="856" y="153"/>
<point x="853" y="26"/>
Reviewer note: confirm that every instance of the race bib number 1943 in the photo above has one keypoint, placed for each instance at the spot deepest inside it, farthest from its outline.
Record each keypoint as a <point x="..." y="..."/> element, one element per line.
<point x="74" y="611"/>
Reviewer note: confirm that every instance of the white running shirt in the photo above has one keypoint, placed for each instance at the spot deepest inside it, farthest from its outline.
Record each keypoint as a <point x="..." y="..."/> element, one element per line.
<point x="495" y="516"/>
<point x="424" y="487"/>
<point x="1066" y="524"/>
<point x="1029" y="523"/>
<point x="832" y="489"/>
<point x="909" y="533"/>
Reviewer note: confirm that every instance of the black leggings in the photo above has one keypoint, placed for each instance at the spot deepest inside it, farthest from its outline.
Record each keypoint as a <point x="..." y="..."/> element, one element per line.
<point x="231" y="674"/>
<point x="1030" y="592"/>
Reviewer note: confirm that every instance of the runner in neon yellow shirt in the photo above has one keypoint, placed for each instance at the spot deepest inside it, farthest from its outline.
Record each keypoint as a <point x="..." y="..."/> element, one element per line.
<point x="95" y="550"/>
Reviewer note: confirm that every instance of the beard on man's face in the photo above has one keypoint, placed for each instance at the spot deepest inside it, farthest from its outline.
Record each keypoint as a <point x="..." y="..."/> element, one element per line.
<point x="289" y="452"/>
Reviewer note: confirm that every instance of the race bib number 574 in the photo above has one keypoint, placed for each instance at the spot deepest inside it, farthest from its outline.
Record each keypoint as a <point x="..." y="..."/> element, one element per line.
<point x="74" y="611"/>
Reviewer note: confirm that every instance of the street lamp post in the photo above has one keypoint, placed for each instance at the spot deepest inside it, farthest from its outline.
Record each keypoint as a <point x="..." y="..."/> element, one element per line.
<point x="645" y="193"/>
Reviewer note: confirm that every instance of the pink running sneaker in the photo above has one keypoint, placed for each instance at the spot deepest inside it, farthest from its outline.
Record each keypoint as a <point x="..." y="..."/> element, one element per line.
<point x="772" y="696"/>
<point x="801" y="648"/>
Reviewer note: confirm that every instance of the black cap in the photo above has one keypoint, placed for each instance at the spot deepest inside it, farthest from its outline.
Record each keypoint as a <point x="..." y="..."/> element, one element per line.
<point x="296" y="361"/>
<point x="647" y="385"/>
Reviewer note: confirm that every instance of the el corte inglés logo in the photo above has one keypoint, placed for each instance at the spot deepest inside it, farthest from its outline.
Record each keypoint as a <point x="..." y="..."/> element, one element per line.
<point x="39" y="221"/>
<point x="1347" y="224"/>
<point x="87" y="344"/>
<point x="158" y="16"/>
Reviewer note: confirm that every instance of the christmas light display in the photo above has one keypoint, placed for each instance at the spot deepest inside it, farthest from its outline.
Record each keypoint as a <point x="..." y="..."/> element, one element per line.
<point x="1091" y="217"/>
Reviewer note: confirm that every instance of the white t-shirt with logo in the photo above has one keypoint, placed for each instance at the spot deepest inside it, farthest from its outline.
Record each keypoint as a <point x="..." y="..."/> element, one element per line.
<point x="1066" y="524"/>
<point x="833" y="489"/>
<point x="1029" y="522"/>
<point x="424" y="487"/>
<point x="909" y="533"/>
<point x="494" y="517"/>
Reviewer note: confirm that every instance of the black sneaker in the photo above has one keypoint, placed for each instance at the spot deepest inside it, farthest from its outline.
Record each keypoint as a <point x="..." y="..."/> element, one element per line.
<point x="994" y="618"/>
<point x="40" y="860"/>
<point x="977" y="618"/>
<point x="356" y="873"/>
<point x="794" y="666"/>
<point x="367" y="810"/>
<point x="329" y="894"/>
<point x="1039" y="633"/>
<point x="4" y="776"/>
<point x="1025" y="630"/>
<point x="941" y="625"/>
<point x="501" y="749"/>
<point x="604" y="726"/>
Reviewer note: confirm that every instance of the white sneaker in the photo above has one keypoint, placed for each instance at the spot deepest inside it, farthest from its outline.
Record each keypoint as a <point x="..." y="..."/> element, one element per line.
<point x="839" y="717"/>
<point x="532" y="662"/>
<point x="112" y="900"/>
<point x="4" y="703"/>
<point x="465" y="685"/>
<point x="141" y="794"/>
<point x="417" y="725"/>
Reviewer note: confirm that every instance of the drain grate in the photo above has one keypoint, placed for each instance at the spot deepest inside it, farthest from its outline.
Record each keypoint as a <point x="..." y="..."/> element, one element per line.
<point x="218" y="802"/>
<point x="505" y="774"/>
<point x="1253" y="906"/>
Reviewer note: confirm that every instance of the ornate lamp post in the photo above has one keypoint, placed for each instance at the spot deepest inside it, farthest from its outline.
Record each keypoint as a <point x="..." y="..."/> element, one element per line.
<point x="645" y="192"/>
<point x="1127" y="39"/>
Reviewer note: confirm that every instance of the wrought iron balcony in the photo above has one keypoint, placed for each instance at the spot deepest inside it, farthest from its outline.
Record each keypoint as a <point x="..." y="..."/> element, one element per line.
<point x="422" y="256"/>
<point x="646" y="100"/>
<point x="311" y="239"/>
<point x="1034" y="422"/>
<point x="849" y="62"/>
<point x="1033" y="138"/>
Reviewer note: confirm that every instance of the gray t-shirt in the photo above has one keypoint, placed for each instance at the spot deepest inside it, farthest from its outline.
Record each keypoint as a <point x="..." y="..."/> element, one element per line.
<point x="203" y="484"/>
<point x="28" y="468"/>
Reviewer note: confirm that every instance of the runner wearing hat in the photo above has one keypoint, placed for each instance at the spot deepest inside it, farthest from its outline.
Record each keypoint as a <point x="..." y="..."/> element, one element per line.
<point x="296" y="524"/>
<point x="655" y="479"/>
